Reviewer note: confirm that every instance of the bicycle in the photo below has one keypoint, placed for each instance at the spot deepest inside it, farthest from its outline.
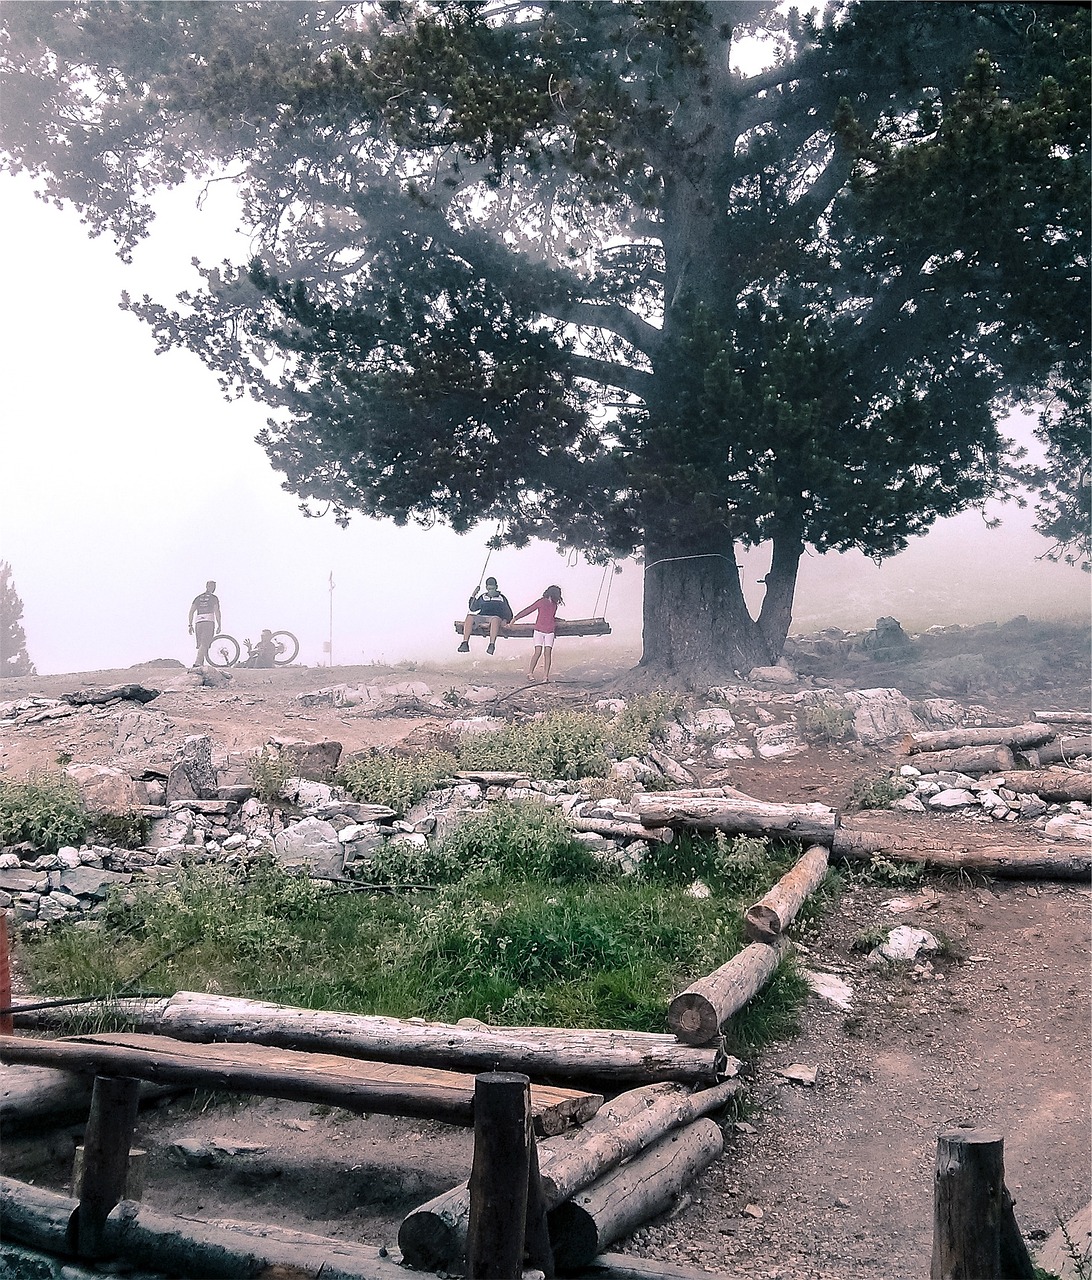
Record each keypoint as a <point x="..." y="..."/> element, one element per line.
<point x="224" y="650"/>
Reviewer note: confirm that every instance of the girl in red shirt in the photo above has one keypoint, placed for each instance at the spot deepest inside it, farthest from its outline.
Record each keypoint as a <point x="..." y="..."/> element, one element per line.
<point x="545" y="627"/>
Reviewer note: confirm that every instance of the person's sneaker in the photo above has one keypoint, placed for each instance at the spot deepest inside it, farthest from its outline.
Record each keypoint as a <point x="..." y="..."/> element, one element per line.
<point x="491" y="648"/>
<point x="464" y="647"/>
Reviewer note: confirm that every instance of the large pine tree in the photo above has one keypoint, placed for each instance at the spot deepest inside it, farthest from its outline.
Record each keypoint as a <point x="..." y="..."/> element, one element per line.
<point x="574" y="268"/>
<point x="14" y="659"/>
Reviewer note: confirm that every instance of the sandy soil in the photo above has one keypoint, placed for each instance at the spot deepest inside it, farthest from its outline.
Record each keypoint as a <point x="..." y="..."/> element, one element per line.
<point x="818" y="1183"/>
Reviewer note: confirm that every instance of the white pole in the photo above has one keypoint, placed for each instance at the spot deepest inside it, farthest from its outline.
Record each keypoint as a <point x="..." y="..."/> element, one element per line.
<point x="330" y="646"/>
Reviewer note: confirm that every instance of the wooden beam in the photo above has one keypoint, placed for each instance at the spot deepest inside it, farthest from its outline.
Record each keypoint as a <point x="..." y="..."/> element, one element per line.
<point x="811" y="822"/>
<point x="1014" y="736"/>
<point x="114" y="1105"/>
<point x="619" y="1059"/>
<point x="284" y="1073"/>
<point x="525" y="630"/>
<point x="970" y="1176"/>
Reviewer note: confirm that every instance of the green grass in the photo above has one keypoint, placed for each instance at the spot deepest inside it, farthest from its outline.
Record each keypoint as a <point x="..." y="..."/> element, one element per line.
<point x="521" y="925"/>
<point x="45" y="809"/>
<point x="391" y="778"/>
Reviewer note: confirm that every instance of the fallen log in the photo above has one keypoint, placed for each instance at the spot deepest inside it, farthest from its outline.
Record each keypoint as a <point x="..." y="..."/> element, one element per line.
<point x="629" y="1195"/>
<point x="434" y="1235"/>
<point x="1056" y="785"/>
<point x="697" y="1014"/>
<point x="621" y="1058"/>
<point x="768" y="918"/>
<point x="308" y="1077"/>
<point x="1014" y="735"/>
<point x="1064" y="717"/>
<point x="37" y="1218"/>
<point x="31" y="1097"/>
<point x="812" y="822"/>
<point x="494" y="777"/>
<point x="1061" y="750"/>
<point x="623" y="830"/>
<point x="972" y="760"/>
<point x="1046" y="862"/>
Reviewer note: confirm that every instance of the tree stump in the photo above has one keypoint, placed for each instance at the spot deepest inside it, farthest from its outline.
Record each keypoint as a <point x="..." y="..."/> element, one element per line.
<point x="967" y="1203"/>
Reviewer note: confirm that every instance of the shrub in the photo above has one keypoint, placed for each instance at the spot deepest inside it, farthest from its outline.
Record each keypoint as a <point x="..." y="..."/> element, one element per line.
<point x="826" y="722"/>
<point x="269" y="771"/>
<point x="562" y="744"/>
<point x="524" y="841"/>
<point x="47" y="810"/>
<point x="398" y="781"/>
<point x="129" y="830"/>
<point x="878" y="793"/>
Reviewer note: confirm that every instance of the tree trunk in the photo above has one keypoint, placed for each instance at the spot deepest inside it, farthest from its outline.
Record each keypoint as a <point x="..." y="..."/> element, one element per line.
<point x="696" y="624"/>
<point x="813" y="822"/>
<point x="1015" y="735"/>
<point x="1040" y="862"/>
<point x="281" y="1073"/>
<point x="776" y="616"/>
<point x="972" y="760"/>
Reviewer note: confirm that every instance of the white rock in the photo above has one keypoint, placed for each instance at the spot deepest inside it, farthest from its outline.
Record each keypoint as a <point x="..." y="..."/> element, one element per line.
<point x="310" y="844"/>
<point x="952" y="798"/>
<point x="615" y="706"/>
<point x="236" y="841"/>
<point x="909" y="804"/>
<point x="9" y="861"/>
<point x="777" y="740"/>
<point x="699" y="889"/>
<point x="471" y="725"/>
<point x="68" y="857"/>
<point x="881" y="714"/>
<point x="908" y="771"/>
<point x="737" y="751"/>
<point x="1067" y="826"/>
<point x="771" y="675"/>
<point x="906" y="943"/>
<point x="713" y="719"/>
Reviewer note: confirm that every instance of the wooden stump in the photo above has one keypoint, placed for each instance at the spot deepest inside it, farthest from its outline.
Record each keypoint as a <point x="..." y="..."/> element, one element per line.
<point x="968" y="1192"/>
<point x="114" y="1105"/>
<point x="499" y="1176"/>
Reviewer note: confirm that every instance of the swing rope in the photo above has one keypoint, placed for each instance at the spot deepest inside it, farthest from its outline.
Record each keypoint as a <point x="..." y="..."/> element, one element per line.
<point x="608" y="581"/>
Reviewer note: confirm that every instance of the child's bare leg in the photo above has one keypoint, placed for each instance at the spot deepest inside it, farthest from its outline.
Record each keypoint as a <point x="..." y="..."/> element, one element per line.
<point x="547" y="654"/>
<point x="534" y="662"/>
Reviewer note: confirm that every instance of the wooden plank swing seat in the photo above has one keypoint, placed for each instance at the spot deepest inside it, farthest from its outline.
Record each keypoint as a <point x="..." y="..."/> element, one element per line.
<point x="357" y="1085"/>
<point x="525" y="630"/>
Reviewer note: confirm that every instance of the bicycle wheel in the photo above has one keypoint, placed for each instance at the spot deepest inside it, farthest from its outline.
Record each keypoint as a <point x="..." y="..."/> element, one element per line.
<point x="223" y="651"/>
<point x="287" y="648"/>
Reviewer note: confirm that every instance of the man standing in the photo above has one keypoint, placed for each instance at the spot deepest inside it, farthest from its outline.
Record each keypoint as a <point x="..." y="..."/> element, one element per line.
<point x="205" y="618"/>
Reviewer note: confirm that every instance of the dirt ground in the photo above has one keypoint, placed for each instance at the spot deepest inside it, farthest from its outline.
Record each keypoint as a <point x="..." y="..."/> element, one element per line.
<point x="824" y="1183"/>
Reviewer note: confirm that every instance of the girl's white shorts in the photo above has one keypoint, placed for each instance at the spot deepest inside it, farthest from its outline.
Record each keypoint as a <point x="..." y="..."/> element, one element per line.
<point x="544" y="639"/>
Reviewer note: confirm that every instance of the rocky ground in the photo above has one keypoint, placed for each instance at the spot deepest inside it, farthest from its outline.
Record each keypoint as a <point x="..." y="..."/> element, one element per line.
<point x="830" y="1180"/>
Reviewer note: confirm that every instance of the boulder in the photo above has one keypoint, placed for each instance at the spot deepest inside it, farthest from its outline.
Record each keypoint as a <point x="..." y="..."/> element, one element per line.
<point x="315" y="761"/>
<point x="116" y="693"/>
<point x="771" y="675"/>
<point x="777" y="740"/>
<point x="716" y="720"/>
<point x="881" y="714"/>
<point x="311" y="845"/>
<point x="192" y="776"/>
<point x="104" y="789"/>
<point x="138" y="730"/>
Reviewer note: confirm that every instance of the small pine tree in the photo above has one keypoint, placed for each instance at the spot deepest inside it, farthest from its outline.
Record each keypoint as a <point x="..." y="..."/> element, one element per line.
<point x="14" y="659"/>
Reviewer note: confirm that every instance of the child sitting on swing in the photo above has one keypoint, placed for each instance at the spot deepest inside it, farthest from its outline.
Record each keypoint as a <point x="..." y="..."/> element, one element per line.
<point x="489" y="604"/>
<point x="545" y="627"/>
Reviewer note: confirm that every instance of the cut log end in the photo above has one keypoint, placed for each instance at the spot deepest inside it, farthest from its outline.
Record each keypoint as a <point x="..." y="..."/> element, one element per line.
<point x="761" y="924"/>
<point x="693" y="1019"/>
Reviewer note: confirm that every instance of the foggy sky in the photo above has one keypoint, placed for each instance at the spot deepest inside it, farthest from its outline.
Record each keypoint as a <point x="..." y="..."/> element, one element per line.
<point x="126" y="481"/>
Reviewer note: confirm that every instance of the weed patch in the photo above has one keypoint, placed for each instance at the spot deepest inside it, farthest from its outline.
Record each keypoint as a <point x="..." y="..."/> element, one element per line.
<point x="398" y="781"/>
<point x="46" y="810"/>
<point x="878" y="793"/>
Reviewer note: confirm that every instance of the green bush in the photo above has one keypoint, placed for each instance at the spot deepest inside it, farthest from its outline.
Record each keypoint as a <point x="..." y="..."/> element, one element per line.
<point x="525" y="841"/>
<point x="827" y="722"/>
<point x="269" y="771"/>
<point x="565" y="745"/>
<point x="377" y="776"/>
<point x="47" y="810"/>
<point x="129" y="830"/>
<point x="878" y="793"/>
<point x="561" y="745"/>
